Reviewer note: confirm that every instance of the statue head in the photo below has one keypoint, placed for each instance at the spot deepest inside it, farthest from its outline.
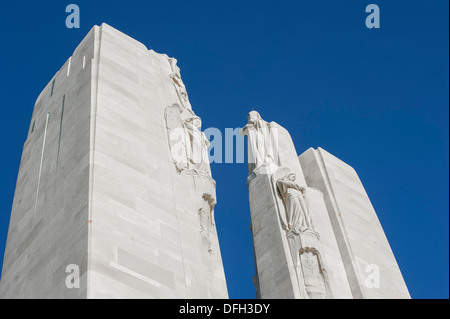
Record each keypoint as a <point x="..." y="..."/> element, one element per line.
<point x="254" y="115"/>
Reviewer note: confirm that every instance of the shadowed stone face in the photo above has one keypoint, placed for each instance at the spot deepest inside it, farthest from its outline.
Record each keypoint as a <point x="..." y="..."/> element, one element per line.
<point x="312" y="223"/>
<point x="111" y="198"/>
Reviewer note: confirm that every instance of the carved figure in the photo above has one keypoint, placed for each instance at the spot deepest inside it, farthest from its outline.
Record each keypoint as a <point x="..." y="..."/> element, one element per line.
<point x="260" y="146"/>
<point x="178" y="83"/>
<point x="297" y="211"/>
<point x="188" y="144"/>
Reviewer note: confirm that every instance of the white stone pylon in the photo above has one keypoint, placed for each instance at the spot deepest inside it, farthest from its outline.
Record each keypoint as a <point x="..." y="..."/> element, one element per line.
<point x="98" y="188"/>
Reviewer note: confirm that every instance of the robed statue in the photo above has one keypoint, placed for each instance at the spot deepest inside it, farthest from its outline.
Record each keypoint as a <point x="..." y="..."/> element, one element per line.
<point x="297" y="211"/>
<point x="261" y="150"/>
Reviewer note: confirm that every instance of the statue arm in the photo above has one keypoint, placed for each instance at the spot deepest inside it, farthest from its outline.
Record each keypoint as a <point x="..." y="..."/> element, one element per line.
<point x="290" y="184"/>
<point x="246" y="128"/>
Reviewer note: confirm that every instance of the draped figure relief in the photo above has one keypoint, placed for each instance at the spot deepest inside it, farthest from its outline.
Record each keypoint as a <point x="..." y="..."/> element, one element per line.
<point x="261" y="148"/>
<point x="303" y="240"/>
<point x="178" y="83"/>
<point x="188" y="144"/>
<point x="206" y="220"/>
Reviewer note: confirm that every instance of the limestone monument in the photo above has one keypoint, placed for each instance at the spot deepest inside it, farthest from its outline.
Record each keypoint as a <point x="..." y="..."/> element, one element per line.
<point x="114" y="183"/>
<point x="115" y="196"/>
<point x="315" y="232"/>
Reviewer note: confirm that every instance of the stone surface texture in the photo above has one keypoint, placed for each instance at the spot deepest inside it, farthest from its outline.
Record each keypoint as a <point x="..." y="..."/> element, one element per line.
<point x="359" y="234"/>
<point x="279" y="272"/>
<point x="98" y="188"/>
<point x="314" y="229"/>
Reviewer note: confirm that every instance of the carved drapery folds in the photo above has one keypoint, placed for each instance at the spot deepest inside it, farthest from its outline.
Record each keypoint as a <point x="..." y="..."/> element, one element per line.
<point x="179" y="85"/>
<point x="260" y="140"/>
<point x="206" y="221"/>
<point x="294" y="211"/>
<point x="297" y="210"/>
<point x="188" y="144"/>
<point x="303" y="240"/>
<point x="189" y="151"/>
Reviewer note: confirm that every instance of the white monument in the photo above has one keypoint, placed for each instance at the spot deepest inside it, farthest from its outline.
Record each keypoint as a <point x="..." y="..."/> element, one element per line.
<point x="115" y="183"/>
<point x="315" y="232"/>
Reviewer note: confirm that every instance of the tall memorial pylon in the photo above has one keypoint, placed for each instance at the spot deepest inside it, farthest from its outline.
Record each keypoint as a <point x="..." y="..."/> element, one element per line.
<point x="114" y="197"/>
<point x="315" y="232"/>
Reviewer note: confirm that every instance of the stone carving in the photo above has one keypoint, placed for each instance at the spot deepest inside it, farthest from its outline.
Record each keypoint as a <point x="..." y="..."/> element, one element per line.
<point x="198" y="146"/>
<point x="261" y="150"/>
<point x="178" y="139"/>
<point x="189" y="151"/>
<point x="314" y="273"/>
<point x="297" y="211"/>
<point x="178" y="83"/>
<point x="206" y="221"/>
<point x="188" y="144"/>
<point x="303" y="240"/>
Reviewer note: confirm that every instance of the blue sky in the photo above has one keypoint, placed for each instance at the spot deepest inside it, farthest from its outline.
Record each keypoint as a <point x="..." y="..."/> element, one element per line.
<point x="376" y="98"/>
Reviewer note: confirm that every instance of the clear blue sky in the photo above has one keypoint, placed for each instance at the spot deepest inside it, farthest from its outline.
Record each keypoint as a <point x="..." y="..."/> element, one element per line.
<point x="377" y="99"/>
